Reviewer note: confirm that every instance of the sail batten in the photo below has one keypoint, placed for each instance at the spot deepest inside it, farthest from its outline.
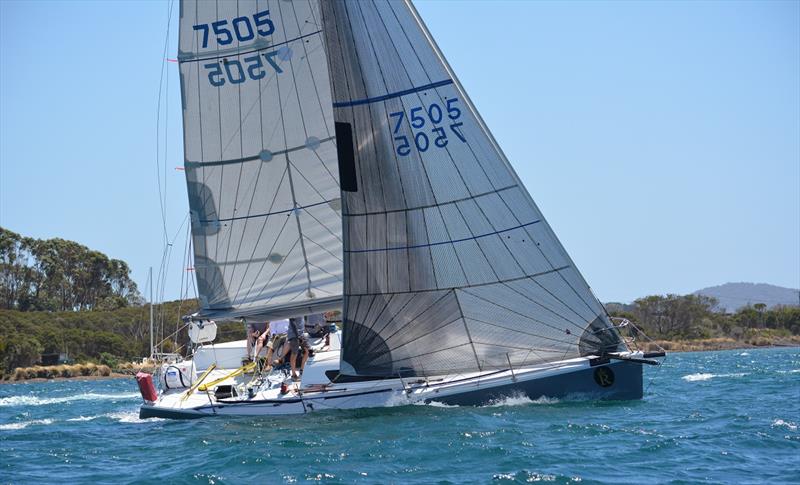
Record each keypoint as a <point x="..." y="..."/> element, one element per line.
<point x="449" y="265"/>
<point x="260" y="158"/>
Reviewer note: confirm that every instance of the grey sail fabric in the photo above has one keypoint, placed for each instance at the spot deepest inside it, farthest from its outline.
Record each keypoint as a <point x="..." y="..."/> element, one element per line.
<point x="260" y="158"/>
<point x="449" y="265"/>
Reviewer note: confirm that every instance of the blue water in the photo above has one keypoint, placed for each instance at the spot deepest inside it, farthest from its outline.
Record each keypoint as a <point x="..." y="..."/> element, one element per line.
<point x="713" y="417"/>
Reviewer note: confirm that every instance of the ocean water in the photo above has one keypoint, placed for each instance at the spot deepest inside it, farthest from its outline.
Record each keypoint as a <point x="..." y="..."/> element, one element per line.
<point x="712" y="417"/>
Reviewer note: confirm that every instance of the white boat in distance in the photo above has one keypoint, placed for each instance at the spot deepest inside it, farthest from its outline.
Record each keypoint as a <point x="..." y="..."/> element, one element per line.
<point x="334" y="162"/>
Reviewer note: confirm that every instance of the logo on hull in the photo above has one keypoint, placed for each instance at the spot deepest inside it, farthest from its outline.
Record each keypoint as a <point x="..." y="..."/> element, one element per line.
<point x="604" y="376"/>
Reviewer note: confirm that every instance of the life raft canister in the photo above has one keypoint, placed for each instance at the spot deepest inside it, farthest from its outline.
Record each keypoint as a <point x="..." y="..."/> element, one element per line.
<point x="146" y="386"/>
<point x="176" y="376"/>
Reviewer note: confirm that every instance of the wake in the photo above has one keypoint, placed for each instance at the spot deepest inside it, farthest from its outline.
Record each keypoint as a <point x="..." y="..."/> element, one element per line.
<point x="708" y="376"/>
<point x="43" y="401"/>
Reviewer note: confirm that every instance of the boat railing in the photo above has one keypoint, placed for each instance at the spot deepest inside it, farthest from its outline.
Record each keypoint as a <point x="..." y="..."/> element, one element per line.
<point x="635" y="339"/>
<point x="167" y="357"/>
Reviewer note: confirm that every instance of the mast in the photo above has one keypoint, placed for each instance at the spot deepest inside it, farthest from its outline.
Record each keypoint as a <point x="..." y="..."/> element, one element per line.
<point x="150" y="279"/>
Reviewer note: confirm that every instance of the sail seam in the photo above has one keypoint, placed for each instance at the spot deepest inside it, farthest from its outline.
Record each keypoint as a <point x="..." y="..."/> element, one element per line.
<point x="466" y="329"/>
<point x="238" y="186"/>
<point x="526" y="317"/>
<point x="426" y="334"/>
<point x="261" y="233"/>
<point x="267" y="214"/>
<point x="477" y="285"/>
<point x="191" y="165"/>
<point x="412" y="320"/>
<point x="393" y="170"/>
<point x="396" y="94"/>
<point x="429" y="206"/>
<point x="516" y="330"/>
<point x="308" y="61"/>
<point x="396" y="248"/>
<point x="255" y="181"/>
<point x="217" y="275"/>
<point x="289" y="166"/>
<point x="499" y="151"/>
<point x="546" y="258"/>
<point x="274" y="311"/>
<point x="545" y="307"/>
<point x="188" y="57"/>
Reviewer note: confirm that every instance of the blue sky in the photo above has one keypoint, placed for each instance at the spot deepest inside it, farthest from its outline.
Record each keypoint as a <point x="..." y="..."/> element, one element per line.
<point x="660" y="139"/>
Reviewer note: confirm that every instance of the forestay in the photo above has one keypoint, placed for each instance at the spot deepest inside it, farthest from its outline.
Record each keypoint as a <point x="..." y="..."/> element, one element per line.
<point x="260" y="158"/>
<point x="449" y="264"/>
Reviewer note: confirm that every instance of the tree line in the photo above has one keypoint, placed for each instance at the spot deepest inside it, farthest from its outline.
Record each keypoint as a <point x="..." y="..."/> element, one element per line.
<point x="688" y="317"/>
<point x="99" y="336"/>
<point x="59" y="296"/>
<point x="60" y="275"/>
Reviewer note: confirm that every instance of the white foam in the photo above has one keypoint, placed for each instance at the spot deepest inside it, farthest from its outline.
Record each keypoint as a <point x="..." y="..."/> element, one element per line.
<point x="437" y="404"/>
<point x="130" y="417"/>
<point x="706" y="376"/>
<point x="40" y="401"/>
<point x="788" y="424"/>
<point x="25" y="424"/>
<point x="121" y="416"/>
<point x="697" y="377"/>
<point x="744" y="353"/>
<point x="83" y="418"/>
<point x="521" y="400"/>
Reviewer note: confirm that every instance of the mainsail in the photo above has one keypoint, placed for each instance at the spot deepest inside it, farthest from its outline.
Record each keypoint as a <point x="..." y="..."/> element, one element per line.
<point x="260" y="158"/>
<point x="449" y="264"/>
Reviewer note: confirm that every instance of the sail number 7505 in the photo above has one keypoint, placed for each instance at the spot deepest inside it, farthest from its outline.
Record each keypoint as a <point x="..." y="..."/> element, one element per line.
<point x="433" y="116"/>
<point x="243" y="29"/>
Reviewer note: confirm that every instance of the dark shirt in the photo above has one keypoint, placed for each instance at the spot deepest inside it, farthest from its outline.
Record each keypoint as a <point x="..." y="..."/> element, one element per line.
<point x="295" y="328"/>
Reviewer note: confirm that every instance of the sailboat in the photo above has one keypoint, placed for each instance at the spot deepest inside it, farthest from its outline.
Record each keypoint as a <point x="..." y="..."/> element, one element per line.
<point x="335" y="162"/>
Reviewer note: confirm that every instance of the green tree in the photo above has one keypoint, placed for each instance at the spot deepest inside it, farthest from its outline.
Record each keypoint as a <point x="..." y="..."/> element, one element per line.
<point x="60" y="275"/>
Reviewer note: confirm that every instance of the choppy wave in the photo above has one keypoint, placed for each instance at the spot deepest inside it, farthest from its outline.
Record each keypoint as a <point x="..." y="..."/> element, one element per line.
<point x="707" y="376"/>
<point x="513" y="400"/>
<point x="130" y="417"/>
<point x="521" y="400"/>
<point x="27" y="400"/>
<point x="788" y="424"/>
<point x="529" y="440"/>
<point x="122" y="417"/>
<point x="437" y="404"/>
<point x="24" y="424"/>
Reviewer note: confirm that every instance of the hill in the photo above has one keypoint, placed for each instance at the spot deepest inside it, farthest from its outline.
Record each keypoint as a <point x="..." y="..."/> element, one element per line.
<point x="733" y="296"/>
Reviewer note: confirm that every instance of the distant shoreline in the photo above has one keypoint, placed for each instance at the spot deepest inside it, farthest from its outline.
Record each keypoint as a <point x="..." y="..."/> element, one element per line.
<point x="724" y="343"/>
<point x="73" y="379"/>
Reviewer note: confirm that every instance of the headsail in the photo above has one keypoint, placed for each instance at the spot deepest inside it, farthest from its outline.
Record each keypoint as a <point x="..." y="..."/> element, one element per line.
<point x="260" y="157"/>
<point x="449" y="264"/>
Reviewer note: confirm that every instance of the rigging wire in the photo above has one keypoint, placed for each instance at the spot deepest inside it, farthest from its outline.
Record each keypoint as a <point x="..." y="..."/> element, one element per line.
<point x="162" y="123"/>
<point x="161" y="93"/>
